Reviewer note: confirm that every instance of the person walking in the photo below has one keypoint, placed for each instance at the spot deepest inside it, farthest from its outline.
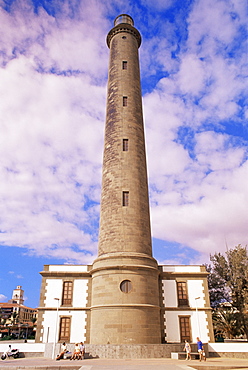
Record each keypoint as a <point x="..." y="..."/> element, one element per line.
<point x="187" y="348"/>
<point x="200" y="349"/>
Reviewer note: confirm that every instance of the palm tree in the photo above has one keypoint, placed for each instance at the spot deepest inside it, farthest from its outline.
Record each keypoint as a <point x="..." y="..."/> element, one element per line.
<point x="226" y="322"/>
<point x="14" y="318"/>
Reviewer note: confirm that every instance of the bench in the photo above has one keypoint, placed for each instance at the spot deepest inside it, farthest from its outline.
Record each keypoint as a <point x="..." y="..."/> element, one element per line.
<point x="180" y="355"/>
<point x="67" y="355"/>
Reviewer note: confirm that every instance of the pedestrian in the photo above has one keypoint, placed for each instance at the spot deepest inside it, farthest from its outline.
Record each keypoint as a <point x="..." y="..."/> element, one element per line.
<point x="200" y="349"/>
<point x="187" y="348"/>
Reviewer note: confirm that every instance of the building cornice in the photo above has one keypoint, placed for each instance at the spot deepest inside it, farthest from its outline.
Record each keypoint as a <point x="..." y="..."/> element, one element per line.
<point x="186" y="309"/>
<point x="127" y="267"/>
<point x="125" y="305"/>
<point x="65" y="274"/>
<point x="183" y="274"/>
<point x="64" y="309"/>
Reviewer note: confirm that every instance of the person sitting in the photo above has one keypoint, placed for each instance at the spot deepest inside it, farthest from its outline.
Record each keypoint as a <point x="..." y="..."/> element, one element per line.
<point x="63" y="351"/>
<point x="6" y="353"/>
<point x="82" y="350"/>
<point x="76" y="353"/>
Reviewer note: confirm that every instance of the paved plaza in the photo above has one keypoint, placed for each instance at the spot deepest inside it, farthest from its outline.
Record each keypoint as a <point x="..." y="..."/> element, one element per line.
<point x="128" y="364"/>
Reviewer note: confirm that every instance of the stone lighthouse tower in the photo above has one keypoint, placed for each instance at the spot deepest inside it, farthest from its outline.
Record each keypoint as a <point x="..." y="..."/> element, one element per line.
<point x="125" y="292"/>
<point x="124" y="297"/>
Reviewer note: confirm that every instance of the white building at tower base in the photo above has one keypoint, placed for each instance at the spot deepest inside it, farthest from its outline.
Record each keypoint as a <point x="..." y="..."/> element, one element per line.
<point x="65" y="304"/>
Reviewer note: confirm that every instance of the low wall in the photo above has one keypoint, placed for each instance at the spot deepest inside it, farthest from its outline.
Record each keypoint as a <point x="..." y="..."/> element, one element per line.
<point x="228" y="350"/>
<point x="121" y="351"/>
<point x="28" y="349"/>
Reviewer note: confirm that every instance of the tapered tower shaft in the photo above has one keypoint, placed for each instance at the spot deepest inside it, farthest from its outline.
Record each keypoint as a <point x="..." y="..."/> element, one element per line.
<point x="125" y="219"/>
<point x="125" y="298"/>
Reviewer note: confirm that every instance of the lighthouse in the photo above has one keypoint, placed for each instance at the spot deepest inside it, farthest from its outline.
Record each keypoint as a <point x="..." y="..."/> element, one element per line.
<point x="125" y="293"/>
<point x="124" y="300"/>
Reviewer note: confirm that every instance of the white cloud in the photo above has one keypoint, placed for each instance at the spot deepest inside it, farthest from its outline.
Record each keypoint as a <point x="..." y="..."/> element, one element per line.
<point x="216" y="152"/>
<point x="204" y="211"/>
<point x="213" y="22"/>
<point x="53" y="92"/>
<point x="191" y="75"/>
<point x="52" y="132"/>
<point x="2" y="298"/>
<point x="198" y="182"/>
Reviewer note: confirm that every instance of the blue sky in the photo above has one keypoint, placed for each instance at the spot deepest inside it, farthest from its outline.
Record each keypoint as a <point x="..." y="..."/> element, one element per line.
<point x="53" y="73"/>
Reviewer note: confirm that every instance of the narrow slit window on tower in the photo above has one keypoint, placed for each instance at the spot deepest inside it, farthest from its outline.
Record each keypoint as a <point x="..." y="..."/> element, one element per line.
<point x="125" y="198"/>
<point x="125" y="145"/>
<point x="124" y="101"/>
<point x="124" y="64"/>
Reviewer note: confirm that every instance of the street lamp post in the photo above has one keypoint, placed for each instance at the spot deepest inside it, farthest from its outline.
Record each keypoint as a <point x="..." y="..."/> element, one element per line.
<point x="197" y="315"/>
<point x="56" y="325"/>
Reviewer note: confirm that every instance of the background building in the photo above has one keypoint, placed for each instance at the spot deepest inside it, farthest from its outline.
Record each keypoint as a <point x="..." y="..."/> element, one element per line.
<point x="18" y="294"/>
<point x="124" y="297"/>
<point x="15" y="318"/>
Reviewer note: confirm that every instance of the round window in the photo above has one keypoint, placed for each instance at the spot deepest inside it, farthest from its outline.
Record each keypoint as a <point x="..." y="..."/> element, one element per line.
<point x="126" y="286"/>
